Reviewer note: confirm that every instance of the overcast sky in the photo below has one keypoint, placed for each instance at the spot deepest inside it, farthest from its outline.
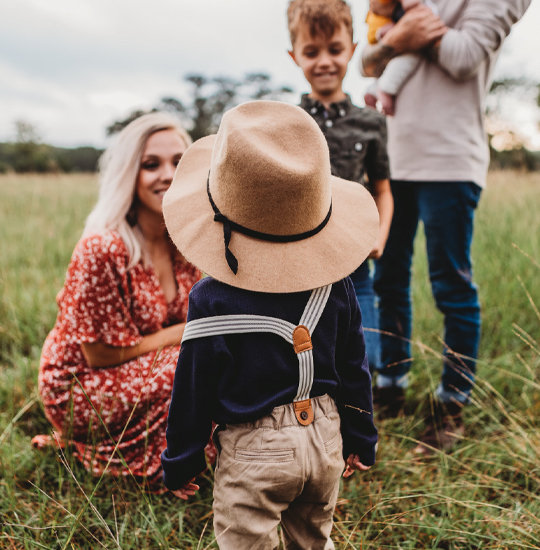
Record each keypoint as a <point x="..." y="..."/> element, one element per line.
<point x="71" y="67"/>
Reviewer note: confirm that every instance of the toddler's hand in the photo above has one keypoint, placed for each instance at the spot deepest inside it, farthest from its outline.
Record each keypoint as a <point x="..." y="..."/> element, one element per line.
<point x="353" y="463"/>
<point x="188" y="490"/>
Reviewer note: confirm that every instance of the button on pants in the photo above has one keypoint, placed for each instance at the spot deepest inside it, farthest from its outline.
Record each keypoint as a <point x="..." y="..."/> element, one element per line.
<point x="277" y="471"/>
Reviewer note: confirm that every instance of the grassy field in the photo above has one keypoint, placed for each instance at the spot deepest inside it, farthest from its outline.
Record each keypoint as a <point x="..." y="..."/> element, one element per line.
<point x="486" y="494"/>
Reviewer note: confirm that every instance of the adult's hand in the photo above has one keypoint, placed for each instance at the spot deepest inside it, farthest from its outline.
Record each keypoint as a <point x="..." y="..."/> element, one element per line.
<point x="418" y="28"/>
<point x="380" y="8"/>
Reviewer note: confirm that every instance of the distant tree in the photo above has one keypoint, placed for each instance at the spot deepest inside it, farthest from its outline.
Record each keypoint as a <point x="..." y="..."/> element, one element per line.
<point x="508" y="147"/>
<point x="209" y="99"/>
<point x="26" y="145"/>
<point x="115" y="127"/>
<point x="30" y="154"/>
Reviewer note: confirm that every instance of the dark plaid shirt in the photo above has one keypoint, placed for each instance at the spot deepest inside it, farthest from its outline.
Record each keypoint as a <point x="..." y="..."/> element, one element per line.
<point x="356" y="138"/>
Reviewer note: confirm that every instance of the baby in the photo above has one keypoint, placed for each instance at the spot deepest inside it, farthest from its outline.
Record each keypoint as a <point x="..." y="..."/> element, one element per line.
<point x="380" y="19"/>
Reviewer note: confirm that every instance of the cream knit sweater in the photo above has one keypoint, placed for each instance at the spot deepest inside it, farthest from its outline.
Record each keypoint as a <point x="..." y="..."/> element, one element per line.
<point x="438" y="131"/>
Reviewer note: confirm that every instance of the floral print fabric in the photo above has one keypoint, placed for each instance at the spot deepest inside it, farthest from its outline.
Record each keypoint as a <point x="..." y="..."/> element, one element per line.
<point x="104" y="302"/>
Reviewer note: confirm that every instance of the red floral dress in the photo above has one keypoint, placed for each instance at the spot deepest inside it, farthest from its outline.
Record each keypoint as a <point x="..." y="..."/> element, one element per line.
<point x="104" y="302"/>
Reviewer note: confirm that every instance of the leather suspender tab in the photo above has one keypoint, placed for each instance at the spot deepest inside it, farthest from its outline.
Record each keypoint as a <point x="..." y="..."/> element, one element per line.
<point x="303" y="412"/>
<point x="301" y="339"/>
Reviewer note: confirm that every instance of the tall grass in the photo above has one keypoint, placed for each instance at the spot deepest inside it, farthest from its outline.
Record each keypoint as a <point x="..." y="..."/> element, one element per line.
<point x="483" y="495"/>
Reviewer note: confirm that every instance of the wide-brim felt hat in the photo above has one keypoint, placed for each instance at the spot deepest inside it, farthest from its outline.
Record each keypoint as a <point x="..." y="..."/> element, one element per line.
<point x="255" y="206"/>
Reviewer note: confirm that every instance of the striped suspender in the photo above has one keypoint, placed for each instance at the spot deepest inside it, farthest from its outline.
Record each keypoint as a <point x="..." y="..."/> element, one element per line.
<point x="299" y="337"/>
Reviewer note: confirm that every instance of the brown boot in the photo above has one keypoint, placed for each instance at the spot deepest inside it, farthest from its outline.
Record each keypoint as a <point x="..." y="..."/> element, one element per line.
<point x="388" y="402"/>
<point x="445" y="429"/>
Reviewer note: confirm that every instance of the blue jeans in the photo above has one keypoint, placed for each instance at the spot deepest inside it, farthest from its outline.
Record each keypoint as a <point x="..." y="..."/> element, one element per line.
<point x="363" y="286"/>
<point x="447" y="212"/>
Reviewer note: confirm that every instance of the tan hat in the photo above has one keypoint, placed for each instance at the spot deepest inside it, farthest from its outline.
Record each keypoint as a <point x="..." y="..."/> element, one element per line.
<point x="255" y="206"/>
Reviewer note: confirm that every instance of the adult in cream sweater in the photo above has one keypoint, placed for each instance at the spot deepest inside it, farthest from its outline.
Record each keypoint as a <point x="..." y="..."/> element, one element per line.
<point x="438" y="160"/>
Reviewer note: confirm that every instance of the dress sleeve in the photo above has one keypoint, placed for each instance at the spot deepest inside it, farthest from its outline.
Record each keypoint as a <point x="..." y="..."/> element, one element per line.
<point x="480" y="31"/>
<point x="377" y="163"/>
<point x="95" y="301"/>
<point x="355" y="403"/>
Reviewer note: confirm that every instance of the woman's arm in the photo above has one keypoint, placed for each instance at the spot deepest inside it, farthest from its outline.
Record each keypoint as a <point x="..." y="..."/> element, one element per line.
<point x="99" y="355"/>
<point x="418" y="28"/>
<point x="382" y="194"/>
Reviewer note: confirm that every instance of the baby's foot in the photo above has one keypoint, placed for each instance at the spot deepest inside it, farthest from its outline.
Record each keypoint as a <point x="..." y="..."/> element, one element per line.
<point x="387" y="103"/>
<point x="371" y="100"/>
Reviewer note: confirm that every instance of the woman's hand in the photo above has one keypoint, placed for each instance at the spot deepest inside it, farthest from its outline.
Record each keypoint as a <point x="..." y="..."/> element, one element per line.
<point x="353" y="463"/>
<point x="100" y="355"/>
<point x="187" y="490"/>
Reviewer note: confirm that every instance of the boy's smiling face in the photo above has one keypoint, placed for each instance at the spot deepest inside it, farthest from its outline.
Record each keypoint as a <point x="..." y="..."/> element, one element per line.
<point x="324" y="61"/>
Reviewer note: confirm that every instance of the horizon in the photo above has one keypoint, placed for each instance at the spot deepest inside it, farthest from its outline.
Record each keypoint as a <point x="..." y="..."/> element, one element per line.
<point x="72" y="69"/>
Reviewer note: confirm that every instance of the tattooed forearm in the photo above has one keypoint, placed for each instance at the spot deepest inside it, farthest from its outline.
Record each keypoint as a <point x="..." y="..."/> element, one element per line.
<point x="376" y="57"/>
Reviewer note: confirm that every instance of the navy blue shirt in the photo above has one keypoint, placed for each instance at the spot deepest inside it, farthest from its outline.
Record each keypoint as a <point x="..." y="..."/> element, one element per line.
<point x="240" y="378"/>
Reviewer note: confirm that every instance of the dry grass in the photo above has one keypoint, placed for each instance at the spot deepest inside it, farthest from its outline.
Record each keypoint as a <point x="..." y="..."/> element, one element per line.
<point x="484" y="495"/>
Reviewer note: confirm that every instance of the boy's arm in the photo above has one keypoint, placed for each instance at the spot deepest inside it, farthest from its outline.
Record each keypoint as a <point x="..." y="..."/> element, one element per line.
<point x="418" y="28"/>
<point x="382" y="194"/>
<point x="480" y="31"/>
<point x="355" y="400"/>
<point x="378" y="171"/>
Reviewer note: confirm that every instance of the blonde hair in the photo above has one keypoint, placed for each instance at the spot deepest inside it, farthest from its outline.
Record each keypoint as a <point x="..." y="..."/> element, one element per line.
<point x="118" y="171"/>
<point x="323" y="17"/>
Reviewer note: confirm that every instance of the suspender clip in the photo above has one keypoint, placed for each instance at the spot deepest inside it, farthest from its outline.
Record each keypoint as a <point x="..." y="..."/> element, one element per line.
<point x="301" y="339"/>
<point x="303" y="412"/>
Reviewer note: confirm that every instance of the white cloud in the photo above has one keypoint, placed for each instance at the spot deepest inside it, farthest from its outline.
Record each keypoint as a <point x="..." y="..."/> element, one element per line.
<point x="74" y="66"/>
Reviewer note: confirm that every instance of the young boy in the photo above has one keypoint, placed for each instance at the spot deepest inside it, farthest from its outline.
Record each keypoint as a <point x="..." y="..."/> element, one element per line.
<point x="322" y="45"/>
<point x="273" y="351"/>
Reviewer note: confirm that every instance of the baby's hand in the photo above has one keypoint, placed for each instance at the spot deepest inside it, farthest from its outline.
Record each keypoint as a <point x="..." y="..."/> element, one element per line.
<point x="353" y="463"/>
<point x="187" y="490"/>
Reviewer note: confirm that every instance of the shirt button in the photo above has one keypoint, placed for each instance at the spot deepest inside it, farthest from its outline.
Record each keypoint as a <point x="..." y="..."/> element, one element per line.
<point x="358" y="146"/>
<point x="342" y="112"/>
<point x="313" y="110"/>
<point x="329" y="124"/>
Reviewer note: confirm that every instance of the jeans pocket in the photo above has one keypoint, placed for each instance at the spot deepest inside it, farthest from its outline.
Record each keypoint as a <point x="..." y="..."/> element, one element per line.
<point x="264" y="456"/>
<point x="472" y="195"/>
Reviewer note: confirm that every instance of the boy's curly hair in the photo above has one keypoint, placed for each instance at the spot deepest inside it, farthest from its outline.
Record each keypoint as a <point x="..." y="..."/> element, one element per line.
<point x="321" y="17"/>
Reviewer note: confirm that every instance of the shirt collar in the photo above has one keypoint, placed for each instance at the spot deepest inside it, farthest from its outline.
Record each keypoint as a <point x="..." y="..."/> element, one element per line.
<point x="339" y="108"/>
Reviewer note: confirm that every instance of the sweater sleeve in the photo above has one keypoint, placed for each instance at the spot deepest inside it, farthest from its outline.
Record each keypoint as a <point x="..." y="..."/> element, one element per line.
<point x="355" y="403"/>
<point x="189" y="422"/>
<point x="480" y="31"/>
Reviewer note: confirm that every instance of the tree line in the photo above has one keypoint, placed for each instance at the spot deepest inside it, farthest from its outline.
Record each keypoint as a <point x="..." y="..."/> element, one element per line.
<point x="209" y="97"/>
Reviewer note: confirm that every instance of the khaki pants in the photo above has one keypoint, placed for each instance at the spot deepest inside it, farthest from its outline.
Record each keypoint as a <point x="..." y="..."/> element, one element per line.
<point x="275" y="470"/>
